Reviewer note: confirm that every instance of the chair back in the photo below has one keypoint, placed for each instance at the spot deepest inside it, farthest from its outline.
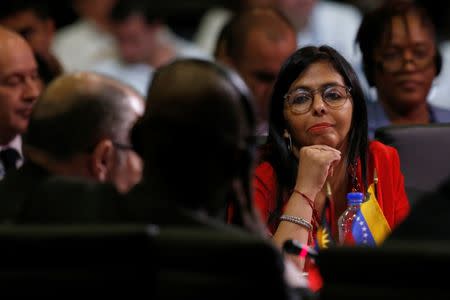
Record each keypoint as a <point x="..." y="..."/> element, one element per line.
<point x="424" y="152"/>
<point x="397" y="270"/>
<point x="131" y="261"/>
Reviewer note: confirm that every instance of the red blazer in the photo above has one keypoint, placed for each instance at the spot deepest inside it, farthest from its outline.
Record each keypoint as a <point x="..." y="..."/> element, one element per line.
<point x="390" y="189"/>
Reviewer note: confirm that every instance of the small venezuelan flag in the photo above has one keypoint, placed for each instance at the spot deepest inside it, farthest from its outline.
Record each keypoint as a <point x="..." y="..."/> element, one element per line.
<point x="370" y="226"/>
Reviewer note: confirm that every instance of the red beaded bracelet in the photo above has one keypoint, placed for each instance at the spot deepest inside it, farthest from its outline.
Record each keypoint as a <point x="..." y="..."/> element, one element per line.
<point x="315" y="217"/>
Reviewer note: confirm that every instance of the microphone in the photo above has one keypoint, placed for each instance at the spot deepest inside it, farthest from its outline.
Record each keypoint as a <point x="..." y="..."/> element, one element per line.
<point x="296" y="248"/>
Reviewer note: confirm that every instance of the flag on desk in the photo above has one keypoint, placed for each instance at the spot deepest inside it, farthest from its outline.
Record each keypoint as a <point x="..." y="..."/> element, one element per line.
<point x="323" y="237"/>
<point x="370" y="226"/>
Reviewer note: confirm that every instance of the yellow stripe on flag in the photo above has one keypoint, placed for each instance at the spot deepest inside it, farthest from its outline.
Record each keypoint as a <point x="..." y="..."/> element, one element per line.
<point x="378" y="225"/>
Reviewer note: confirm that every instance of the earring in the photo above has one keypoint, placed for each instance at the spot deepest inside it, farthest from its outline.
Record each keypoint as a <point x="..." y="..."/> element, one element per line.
<point x="289" y="143"/>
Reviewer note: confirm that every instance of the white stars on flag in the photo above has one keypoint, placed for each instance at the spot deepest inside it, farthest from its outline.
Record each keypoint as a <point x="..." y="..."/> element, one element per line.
<point x="364" y="228"/>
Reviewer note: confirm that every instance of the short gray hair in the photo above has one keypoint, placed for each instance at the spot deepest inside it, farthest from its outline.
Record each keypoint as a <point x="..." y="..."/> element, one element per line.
<point x="78" y="110"/>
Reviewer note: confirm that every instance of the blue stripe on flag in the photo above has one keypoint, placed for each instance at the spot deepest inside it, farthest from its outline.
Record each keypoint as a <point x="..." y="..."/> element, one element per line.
<point x="361" y="232"/>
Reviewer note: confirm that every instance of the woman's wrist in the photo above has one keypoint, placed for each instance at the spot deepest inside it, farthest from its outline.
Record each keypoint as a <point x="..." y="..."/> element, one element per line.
<point x="310" y="201"/>
<point x="307" y="192"/>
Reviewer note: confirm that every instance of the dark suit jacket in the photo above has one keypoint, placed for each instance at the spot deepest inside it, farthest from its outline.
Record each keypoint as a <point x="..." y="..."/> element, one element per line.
<point x="143" y="204"/>
<point x="32" y="195"/>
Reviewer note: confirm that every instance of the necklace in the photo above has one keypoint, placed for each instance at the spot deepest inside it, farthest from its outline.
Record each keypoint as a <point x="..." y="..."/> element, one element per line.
<point x="355" y="186"/>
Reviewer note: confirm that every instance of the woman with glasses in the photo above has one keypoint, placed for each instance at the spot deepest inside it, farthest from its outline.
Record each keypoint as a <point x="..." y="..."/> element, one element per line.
<point x="317" y="150"/>
<point x="401" y="60"/>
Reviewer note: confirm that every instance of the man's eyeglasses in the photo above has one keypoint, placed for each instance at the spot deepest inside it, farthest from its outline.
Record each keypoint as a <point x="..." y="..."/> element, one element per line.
<point x="394" y="60"/>
<point x="121" y="146"/>
<point x="300" y="100"/>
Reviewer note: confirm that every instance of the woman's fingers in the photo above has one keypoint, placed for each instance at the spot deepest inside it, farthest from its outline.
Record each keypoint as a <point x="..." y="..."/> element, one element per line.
<point x="316" y="163"/>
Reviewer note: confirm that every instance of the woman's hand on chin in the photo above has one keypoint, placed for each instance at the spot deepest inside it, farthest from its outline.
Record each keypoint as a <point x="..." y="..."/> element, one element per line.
<point x="316" y="163"/>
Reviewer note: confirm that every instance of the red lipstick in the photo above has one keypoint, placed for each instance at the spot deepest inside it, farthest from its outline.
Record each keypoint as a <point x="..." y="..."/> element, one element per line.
<point x="319" y="127"/>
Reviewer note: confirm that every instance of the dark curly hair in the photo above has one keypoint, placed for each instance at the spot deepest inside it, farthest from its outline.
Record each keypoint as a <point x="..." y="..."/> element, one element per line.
<point x="377" y="23"/>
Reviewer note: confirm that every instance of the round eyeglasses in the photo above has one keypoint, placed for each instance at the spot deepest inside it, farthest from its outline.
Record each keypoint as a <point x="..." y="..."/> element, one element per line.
<point x="300" y="100"/>
<point x="394" y="60"/>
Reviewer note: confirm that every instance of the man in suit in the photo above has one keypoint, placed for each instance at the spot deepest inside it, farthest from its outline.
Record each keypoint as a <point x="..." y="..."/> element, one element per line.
<point x="19" y="89"/>
<point x="78" y="129"/>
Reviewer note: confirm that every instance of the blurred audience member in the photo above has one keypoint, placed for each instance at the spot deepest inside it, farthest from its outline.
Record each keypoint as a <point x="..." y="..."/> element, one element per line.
<point x="197" y="112"/>
<point x="89" y="40"/>
<point x="401" y="60"/>
<point x="32" y="20"/>
<point x="46" y="71"/>
<point x="324" y="22"/>
<point x="255" y="43"/>
<point x="144" y="43"/>
<point x="19" y="90"/>
<point x="80" y="127"/>
<point x="318" y="137"/>
<point x="215" y="19"/>
<point x="441" y="89"/>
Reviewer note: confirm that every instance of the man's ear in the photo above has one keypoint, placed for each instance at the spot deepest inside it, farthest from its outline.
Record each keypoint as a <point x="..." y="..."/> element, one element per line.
<point x="102" y="160"/>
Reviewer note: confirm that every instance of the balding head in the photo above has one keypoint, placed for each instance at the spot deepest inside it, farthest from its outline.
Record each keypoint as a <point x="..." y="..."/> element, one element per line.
<point x="234" y="36"/>
<point x="9" y="37"/>
<point x="19" y="84"/>
<point x="299" y="12"/>
<point x="79" y="110"/>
